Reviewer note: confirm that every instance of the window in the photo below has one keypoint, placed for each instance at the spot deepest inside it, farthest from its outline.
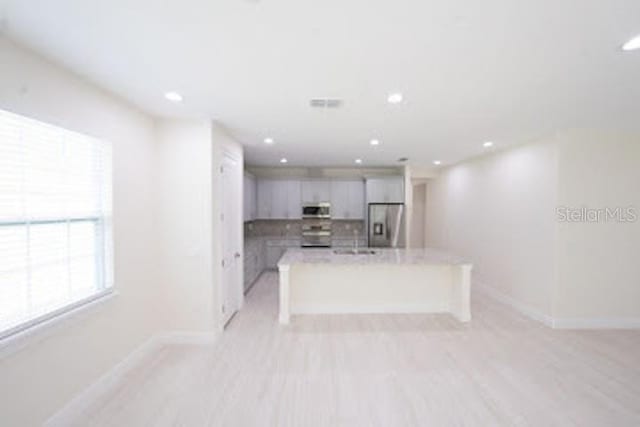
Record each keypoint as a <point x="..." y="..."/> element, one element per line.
<point x="55" y="221"/>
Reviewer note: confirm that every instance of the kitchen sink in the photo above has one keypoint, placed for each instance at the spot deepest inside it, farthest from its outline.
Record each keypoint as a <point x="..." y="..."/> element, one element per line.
<point x="354" y="252"/>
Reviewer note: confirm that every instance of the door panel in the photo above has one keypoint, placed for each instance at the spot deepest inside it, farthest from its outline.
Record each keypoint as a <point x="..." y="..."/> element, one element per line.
<point x="231" y="218"/>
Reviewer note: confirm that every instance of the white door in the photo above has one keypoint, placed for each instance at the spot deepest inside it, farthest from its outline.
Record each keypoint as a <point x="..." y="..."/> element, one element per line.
<point x="232" y="288"/>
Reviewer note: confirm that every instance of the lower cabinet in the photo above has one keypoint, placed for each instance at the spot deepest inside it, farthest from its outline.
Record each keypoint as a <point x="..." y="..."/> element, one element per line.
<point x="275" y="248"/>
<point x="262" y="254"/>
<point x="273" y="256"/>
<point x="254" y="260"/>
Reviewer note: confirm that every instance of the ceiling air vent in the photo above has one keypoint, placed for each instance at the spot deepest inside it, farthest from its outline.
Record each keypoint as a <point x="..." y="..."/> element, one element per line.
<point x="325" y="103"/>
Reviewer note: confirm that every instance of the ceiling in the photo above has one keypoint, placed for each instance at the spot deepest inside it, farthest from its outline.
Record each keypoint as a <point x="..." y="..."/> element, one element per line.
<point x="470" y="71"/>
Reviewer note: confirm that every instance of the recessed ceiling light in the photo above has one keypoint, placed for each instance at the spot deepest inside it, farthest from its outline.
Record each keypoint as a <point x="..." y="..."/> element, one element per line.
<point x="374" y="142"/>
<point x="395" y="98"/>
<point x="437" y="162"/>
<point x="283" y="160"/>
<point x="487" y="144"/>
<point x="358" y="161"/>
<point x="268" y="140"/>
<point x="173" y="96"/>
<point x="632" y="44"/>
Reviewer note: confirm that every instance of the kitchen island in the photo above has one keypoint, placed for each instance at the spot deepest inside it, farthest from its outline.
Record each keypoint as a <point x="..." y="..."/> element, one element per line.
<point x="373" y="280"/>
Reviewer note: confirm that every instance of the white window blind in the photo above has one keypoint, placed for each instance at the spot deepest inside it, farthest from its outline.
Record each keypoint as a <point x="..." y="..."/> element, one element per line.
<point x="55" y="221"/>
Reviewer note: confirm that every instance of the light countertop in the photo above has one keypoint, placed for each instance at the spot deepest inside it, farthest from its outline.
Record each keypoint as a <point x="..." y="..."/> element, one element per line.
<point x="427" y="256"/>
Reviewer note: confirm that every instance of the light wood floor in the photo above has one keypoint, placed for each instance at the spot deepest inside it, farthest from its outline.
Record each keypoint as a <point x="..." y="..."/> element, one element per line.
<point x="384" y="370"/>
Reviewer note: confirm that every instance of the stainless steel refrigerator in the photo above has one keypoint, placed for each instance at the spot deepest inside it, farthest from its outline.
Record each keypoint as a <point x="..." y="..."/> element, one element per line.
<point x="386" y="225"/>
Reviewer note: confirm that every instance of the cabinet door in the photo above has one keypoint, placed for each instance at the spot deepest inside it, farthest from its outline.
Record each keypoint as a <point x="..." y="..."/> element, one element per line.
<point x="294" y="200"/>
<point x="309" y="191"/>
<point x="273" y="256"/>
<point x="323" y="191"/>
<point x="249" y="194"/>
<point x="385" y="190"/>
<point x="355" y="200"/>
<point x="279" y="207"/>
<point x="246" y="209"/>
<point x="374" y="190"/>
<point x="340" y="199"/>
<point x="395" y="190"/>
<point x="264" y="198"/>
<point x="316" y="191"/>
<point x="253" y="202"/>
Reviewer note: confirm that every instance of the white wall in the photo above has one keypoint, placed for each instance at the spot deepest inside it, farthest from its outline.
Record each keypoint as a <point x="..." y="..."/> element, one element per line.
<point x="166" y="219"/>
<point x="38" y="379"/>
<point x="599" y="268"/>
<point x="185" y="200"/>
<point x="189" y="194"/>
<point x="499" y="210"/>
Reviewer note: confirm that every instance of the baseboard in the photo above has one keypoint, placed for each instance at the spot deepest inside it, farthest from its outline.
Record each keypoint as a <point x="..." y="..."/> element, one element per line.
<point x="527" y="311"/>
<point x="72" y="410"/>
<point x="596" y="323"/>
<point x="555" y="322"/>
<point x="377" y="309"/>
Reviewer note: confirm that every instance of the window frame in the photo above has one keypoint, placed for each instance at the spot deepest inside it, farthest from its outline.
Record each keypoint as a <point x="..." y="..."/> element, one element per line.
<point x="104" y="268"/>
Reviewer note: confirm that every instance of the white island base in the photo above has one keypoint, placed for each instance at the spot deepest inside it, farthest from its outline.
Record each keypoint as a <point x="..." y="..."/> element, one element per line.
<point x="318" y="281"/>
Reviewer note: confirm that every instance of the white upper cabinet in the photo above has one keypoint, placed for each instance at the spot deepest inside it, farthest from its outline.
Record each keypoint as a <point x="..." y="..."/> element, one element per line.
<point x="249" y="196"/>
<point x="265" y="189"/>
<point x="356" y="203"/>
<point x="316" y="191"/>
<point x="283" y="199"/>
<point x="294" y="200"/>
<point x="347" y="199"/>
<point x="279" y="199"/>
<point x="385" y="190"/>
<point x="339" y="199"/>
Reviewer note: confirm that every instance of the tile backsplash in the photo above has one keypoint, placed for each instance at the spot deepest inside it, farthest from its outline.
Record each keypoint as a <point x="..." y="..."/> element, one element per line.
<point x="293" y="228"/>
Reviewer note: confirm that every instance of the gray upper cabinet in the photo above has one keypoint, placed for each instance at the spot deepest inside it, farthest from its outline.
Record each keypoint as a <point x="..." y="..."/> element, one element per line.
<point x="385" y="190"/>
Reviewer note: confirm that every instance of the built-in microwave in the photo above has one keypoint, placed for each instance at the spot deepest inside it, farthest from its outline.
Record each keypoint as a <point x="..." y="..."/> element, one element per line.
<point x="316" y="210"/>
